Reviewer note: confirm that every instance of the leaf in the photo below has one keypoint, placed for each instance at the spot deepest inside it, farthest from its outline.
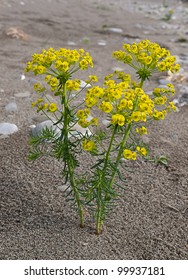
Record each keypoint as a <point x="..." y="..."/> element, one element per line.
<point x="162" y="160"/>
<point x="98" y="163"/>
<point x="119" y="186"/>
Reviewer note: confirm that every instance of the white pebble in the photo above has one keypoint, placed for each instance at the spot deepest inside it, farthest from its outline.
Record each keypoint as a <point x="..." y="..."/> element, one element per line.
<point x="8" y="128"/>
<point x="115" y="30"/>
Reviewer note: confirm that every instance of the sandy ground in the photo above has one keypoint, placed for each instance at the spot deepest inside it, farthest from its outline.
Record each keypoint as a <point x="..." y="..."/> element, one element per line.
<point x="150" y="220"/>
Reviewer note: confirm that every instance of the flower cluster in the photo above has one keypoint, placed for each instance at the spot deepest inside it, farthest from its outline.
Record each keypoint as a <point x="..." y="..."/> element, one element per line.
<point x="125" y="104"/>
<point x="42" y="106"/>
<point x="60" y="61"/>
<point x="57" y="66"/>
<point x="146" y="58"/>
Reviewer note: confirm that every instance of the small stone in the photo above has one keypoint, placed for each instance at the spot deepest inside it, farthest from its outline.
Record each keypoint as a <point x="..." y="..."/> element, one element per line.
<point x="71" y="43"/>
<point x="101" y="43"/>
<point x="2" y="90"/>
<point x="84" y="85"/>
<point x="115" y="30"/>
<point x="117" y="69"/>
<point x="22" y="94"/>
<point x="63" y="188"/>
<point x="8" y="128"/>
<point x="164" y="81"/>
<point x="39" y="118"/>
<point x="106" y="122"/>
<point x="22" y="77"/>
<point x="11" y="107"/>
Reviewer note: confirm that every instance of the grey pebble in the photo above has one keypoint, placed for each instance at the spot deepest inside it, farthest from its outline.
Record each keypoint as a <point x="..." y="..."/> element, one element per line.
<point x="164" y="81"/>
<point x="11" y="107"/>
<point x="22" y="94"/>
<point x="8" y="128"/>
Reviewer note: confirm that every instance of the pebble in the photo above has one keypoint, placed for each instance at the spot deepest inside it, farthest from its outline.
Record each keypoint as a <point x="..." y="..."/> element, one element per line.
<point x="84" y="85"/>
<point x="117" y="69"/>
<point x="22" y="77"/>
<point x="8" y="128"/>
<point x="106" y="122"/>
<point x="63" y="188"/>
<point x="22" y="94"/>
<point x="164" y="81"/>
<point x="101" y="43"/>
<point x="115" y="30"/>
<point x="71" y="43"/>
<point x="11" y="107"/>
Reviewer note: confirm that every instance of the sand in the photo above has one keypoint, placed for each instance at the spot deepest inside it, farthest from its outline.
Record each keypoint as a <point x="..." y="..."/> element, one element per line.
<point x="150" y="219"/>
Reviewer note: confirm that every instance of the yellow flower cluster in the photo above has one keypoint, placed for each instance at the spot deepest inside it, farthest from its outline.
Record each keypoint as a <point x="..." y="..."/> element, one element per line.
<point x="126" y="103"/>
<point x="83" y="116"/>
<point x="141" y="151"/>
<point x="42" y="106"/>
<point x="88" y="145"/>
<point x="61" y="60"/>
<point x="73" y="85"/>
<point x="142" y="130"/>
<point x="58" y="65"/>
<point x="128" y="154"/>
<point x="147" y="57"/>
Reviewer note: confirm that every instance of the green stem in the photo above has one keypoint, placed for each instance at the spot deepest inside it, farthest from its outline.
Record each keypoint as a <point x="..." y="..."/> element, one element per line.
<point x="69" y="159"/>
<point x="109" y="148"/>
<point x="126" y="135"/>
<point x="100" y="206"/>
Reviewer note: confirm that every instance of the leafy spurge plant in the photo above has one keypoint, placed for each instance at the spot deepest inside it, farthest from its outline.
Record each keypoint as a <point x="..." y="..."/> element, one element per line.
<point x="123" y="102"/>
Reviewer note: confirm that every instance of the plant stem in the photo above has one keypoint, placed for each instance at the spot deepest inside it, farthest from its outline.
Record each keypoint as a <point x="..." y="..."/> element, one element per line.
<point x="126" y="135"/>
<point x="100" y="206"/>
<point x="70" y="163"/>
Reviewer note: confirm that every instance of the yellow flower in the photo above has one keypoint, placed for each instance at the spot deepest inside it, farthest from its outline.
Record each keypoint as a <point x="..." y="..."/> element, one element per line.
<point x="73" y="84"/>
<point x="118" y="119"/>
<point x="88" y="145"/>
<point x="128" y="154"/>
<point x="93" y="78"/>
<point x="94" y="122"/>
<point x="136" y="116"/>
<point x="173" y="107"/>
<point x="83" y="123"/>
<point x="141" y="151"/>
<point x="90" y="101"/>
<point x="159" y="115"/>
<point x="142" y="130"/>
<point x="52" y="107"/>
<point x="106" y="107"/>
<point x="54" y="82"/>
<point x="83" y="114"/>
